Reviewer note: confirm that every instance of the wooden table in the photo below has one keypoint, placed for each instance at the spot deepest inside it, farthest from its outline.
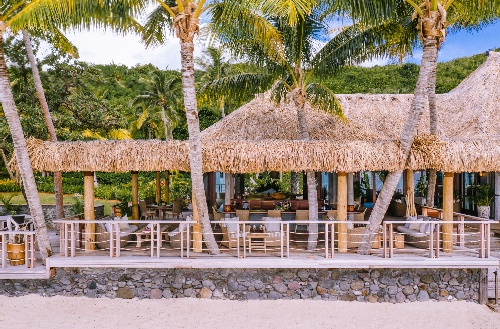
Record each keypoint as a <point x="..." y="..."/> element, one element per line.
<point x="257" y="239"/>
<point x="160" y="209"/>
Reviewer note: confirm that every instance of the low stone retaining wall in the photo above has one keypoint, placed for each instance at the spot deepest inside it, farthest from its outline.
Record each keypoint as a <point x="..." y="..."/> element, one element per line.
<point x="371" y="285"/>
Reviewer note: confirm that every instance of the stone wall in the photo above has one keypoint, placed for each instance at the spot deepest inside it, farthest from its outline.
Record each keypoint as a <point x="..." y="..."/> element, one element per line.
<point x="372" y="285"/>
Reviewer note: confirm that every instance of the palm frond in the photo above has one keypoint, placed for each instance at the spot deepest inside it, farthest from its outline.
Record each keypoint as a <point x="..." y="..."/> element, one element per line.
<point x="239" y="87"/>
<point x="245" y="32"/>
<point x="324" y="99"/>
<point x="292" y="10"/>
<point x="59" y="41"/>
<point x="280" y="89"/>
<point x="158" y="27"/>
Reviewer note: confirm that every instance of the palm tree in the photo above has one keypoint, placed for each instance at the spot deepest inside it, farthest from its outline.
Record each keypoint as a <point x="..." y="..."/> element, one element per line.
<point x="182" y="16"/>
<point x="432" y="20"/>
<point x="57" y="38"/>
<point x="44" y="15"/>
<point x="163" y="95"/>
<point x="296" y="73"/>
<point x="7" y="11"/>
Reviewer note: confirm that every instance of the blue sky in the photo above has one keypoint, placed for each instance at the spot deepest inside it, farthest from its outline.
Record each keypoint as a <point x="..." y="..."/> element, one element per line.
<point x="466" y="43"/>
<point x="103" y="48"/>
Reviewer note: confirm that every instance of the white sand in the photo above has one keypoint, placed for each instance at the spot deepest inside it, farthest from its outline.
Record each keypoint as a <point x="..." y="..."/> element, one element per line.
<point x="80" y="312"/>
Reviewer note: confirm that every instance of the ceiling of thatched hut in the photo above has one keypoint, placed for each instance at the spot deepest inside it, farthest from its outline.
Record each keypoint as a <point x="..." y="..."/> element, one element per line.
<point x="262" y="135"/>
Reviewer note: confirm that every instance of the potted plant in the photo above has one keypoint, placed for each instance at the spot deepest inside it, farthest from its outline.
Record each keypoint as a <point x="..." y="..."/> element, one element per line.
<point x="482" y="196"/>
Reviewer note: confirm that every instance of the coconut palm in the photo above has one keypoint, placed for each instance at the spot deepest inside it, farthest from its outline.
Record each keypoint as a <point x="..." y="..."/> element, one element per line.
<point x="182" y="16"/>
<point x="294" y="68"/>
<point x="432" y="17"/>
<point x="163" y="95"/>
<point x="44" y="15"/>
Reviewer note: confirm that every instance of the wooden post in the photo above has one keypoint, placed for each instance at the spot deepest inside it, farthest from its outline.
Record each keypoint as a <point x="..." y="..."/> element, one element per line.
<point x="197" y="233"/>
<point x="410" y="183"/>
<point x="447" y="229"/>
<point x="342" y="210"/>
<point x="135" y="196"/>
<point x="304" y="186"/>
<point x="158" y="188"/>
<point x="88" y="195"/>
<point x="350" y="193"/>
<point x="374" y="187"/>
<point x="497" y="196"/>
<point x="167" y="186"/>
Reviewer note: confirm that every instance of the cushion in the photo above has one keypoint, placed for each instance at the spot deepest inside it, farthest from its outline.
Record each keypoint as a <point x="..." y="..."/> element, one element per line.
<point x="173" y="232"/>
<point x="425" y="228"/>
<point x="232" y="224"/>
<point x="109" y="227"/>
<point x="414" y="226"/>
<point x="330" y="218"/>
<point x="123" y="226"/>
<point x="409" y="218"/>
<point x="272" y="227"/>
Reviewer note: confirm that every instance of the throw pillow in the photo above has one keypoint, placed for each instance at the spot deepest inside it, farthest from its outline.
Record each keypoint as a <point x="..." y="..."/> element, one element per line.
<point x="272" y="227"/>
<point x="425" y="228"/>
<point x="124" y="226"/>
<point x="232" y="224"/>
<point x="414" y="226"/>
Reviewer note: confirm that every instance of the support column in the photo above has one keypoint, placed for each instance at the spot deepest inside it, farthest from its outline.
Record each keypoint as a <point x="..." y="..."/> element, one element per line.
<point x="88" y="196"/>
<point x="197" y="232"/>
<point x="158" y="188"/>
<point x="135" y="196"/>
<point x="334" y="188"/>
<point x="447" y="229"/>
<point x="350" y="194"/>
<point x="342" y="211"/>
<point x="410" y="183"/>
<point x="304" y="186"/>
<point x="374" y="188"/>
<point x="497" y="196"/>
<point x="167" y="186"/>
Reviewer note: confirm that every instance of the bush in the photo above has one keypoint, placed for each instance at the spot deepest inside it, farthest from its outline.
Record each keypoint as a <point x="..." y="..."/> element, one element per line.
<point x="8" y="185"/>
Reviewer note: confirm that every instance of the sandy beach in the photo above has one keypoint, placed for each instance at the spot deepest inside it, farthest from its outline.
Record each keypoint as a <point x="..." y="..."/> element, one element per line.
<point x="79" y="312"/>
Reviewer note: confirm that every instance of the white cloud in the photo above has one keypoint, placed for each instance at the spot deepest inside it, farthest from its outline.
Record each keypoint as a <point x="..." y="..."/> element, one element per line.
<point x="101" y="47"/>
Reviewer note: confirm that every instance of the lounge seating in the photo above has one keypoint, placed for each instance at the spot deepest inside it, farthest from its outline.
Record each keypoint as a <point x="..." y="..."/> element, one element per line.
<point x="273" y="230"/>
<point x="360" y="216"/>
<point x="174" y="236"/>
<point x="145" y="213"/>
<point x="229" y="232"/>
<point x="416" y="234"/>
<point x="102" y="234"/>
<point x="243" y="214"/>
<point x="176" y="211"/>
<point x="274" y="213"/>
<point x="301" y="215"/>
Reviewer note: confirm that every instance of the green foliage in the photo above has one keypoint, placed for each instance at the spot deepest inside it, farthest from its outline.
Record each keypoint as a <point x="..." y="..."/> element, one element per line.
<point x="8" y="185"/>
<point x="181" y="186"/>
<point x="482" y="195"/>
<point x="8" y="207"/>
<point x="78" y="206"/>
<point x="422" y="186"/>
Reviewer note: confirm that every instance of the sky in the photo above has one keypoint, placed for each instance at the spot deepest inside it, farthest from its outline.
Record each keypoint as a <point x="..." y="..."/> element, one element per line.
<point x="105" y="47"/>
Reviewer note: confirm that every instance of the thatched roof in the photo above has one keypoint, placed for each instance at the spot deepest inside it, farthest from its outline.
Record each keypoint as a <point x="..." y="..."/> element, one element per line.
<point x="263" y="136"/>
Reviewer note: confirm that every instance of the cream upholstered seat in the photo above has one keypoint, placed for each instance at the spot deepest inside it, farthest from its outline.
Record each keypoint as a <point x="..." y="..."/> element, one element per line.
<point x="274" y="234"/>
<point x="301" y="215"/>
<point x="230" y="227"/>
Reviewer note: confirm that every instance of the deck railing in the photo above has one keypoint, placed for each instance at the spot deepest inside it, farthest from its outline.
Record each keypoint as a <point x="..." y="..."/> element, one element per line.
<point x="471" y="237"/>
<point x="29" y="248"/>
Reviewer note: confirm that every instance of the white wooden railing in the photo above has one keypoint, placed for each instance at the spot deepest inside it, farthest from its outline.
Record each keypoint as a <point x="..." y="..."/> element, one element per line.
<point x="29" y="247"/>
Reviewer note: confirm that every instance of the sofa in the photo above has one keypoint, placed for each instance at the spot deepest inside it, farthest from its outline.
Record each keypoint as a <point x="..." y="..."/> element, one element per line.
<point x="102" y="233"/>
<point x="416" y="234"/>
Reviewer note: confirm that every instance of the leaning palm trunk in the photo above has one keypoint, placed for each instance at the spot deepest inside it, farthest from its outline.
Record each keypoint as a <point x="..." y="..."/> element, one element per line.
<point x="48" y="121"/>
<point x="429" y="63"/>
<point x="299" y="99"/>
<point x="23" y="161"/>
<point x="294" y="183"/>
<point x="433" y="125"/>
<point x="195" y="155"/>
<point x="164" y="120"/>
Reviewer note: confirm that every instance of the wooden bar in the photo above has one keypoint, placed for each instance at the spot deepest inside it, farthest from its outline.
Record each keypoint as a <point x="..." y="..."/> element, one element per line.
<point x="448" y="212"/>
<point x="167" y="186"/>
<point x="88" y="188"/>
<point x="135" y="196"/>
<point x="342" y="211"/>
<point x="158" y="188"/>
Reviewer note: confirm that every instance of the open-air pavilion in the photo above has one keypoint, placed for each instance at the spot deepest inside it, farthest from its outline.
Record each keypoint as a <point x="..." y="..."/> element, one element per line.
<point x="262" y="136"/>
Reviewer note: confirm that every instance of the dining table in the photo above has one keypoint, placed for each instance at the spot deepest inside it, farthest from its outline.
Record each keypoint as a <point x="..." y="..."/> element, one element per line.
<point x="160" y="209"/>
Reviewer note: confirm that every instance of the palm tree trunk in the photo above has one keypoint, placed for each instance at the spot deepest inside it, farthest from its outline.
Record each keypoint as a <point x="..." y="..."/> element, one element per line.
<point x="164" y="119"/>
<point x="11" y="174"/>
<point x="298" y="99"/>
<point x="428" y="64"/>
<point x="48" y="121"/>
<point x="433" y="124"/>
<point x="195" y="149"/>
<point x="294" y="183"/>
<point x="23" y="161"/>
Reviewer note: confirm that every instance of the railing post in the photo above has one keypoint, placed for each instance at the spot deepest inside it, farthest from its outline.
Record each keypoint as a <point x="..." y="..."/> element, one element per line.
<point x="326" y="241"/>
<point x="118" y="241"/>
<point x="488" y="237"/>
<point x="391" y="237"/>
<point x="288" y="240"/>
<point x="158" y="240"/>
<point x="4" y="251"/>
<point x="188" y="235"/>
<point x="181" y="230"/>
<point x="384" y="239"/>
<point x="72" y="241"/>
<point x="282" y="234"/>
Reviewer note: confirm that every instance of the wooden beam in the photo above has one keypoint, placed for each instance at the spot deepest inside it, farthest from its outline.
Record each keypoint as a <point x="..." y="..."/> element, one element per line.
<point x="158" y="188"/>
<point x="350" y="194"/>
<point x="342" y="210"/>
<point x="167" y="186"/>
<point x="135" y="196"/>
<point x="410" y="182"/>
<point x="197" y="233"/>
<point x="447" y="229"/>
<point x="88" y="196"/>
